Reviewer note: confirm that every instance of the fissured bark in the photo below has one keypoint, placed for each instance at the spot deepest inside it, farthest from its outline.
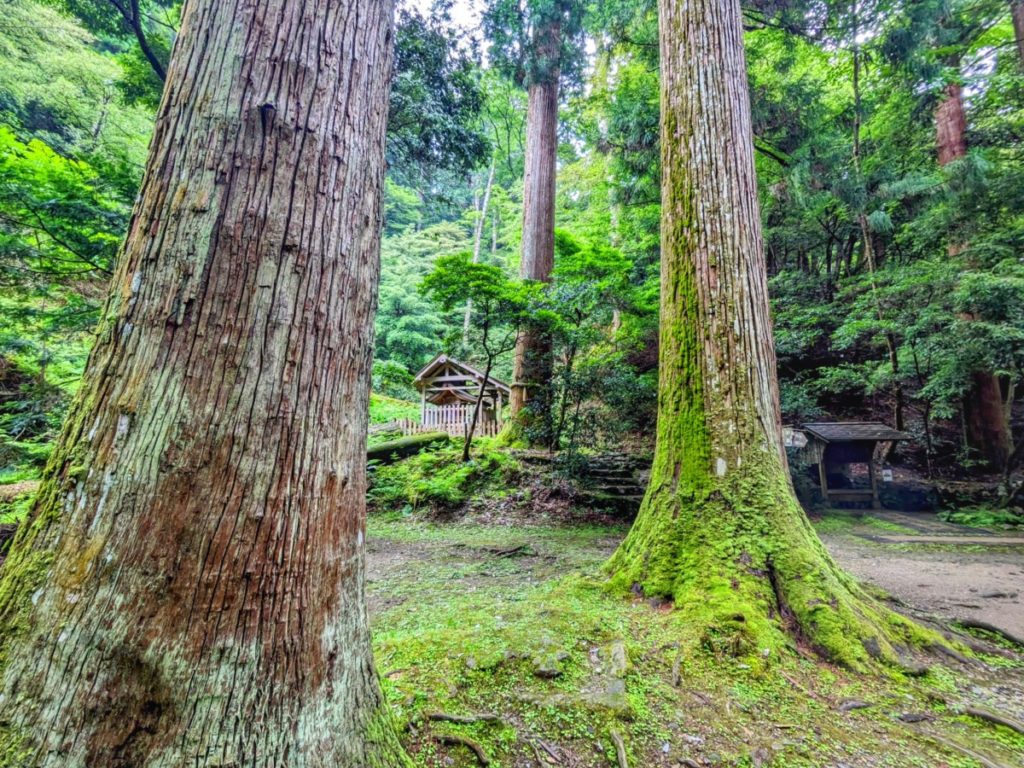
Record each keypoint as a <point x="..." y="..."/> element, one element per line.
<point x="188" y="589"/>
<point x="532" y="369"/>
<point x="720" y="531"/>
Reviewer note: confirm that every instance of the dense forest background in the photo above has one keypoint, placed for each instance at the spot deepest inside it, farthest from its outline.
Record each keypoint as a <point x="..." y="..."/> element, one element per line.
<point x="890" y="172"/>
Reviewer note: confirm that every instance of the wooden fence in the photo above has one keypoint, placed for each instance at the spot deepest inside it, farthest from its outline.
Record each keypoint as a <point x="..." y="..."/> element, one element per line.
<point x="484" y="428"/>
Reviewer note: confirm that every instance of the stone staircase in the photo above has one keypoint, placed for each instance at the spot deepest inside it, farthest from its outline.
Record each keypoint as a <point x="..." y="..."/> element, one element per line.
<point x="615" y="482"/>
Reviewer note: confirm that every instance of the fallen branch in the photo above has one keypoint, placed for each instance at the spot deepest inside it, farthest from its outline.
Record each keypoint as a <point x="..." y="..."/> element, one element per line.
<point x="996" y="718"/>
<point x="444" y="717"/>
<point x="620" y="749"/>
<point x="464" y="741"/>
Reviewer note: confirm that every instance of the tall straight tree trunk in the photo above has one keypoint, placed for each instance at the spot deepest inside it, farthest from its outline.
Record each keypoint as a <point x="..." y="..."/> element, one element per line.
<point x="1017" y="13"/>
<point x="720" y="531"/>
<point x="532" y="369"/>
<point x="188" y="588"/>
<point x="986" y="422"/>
<point x="478" y="236"/>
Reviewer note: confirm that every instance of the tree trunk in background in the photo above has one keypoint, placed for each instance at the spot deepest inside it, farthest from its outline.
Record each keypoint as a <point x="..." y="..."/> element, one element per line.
<point x="951" y="125"/>
<point x="532" y="369"/>
<point x="1017" y="12"/>
<point x="188" y="589"/>
<point x="720" y="530"/>
<point x="478" y="236"/>
<point x="986" y="426"/>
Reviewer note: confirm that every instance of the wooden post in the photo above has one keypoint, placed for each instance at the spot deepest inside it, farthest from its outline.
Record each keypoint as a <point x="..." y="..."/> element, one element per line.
<point x="822" y="474"/>
<point x="876" y="502"/>
<point x="423" y="404"/>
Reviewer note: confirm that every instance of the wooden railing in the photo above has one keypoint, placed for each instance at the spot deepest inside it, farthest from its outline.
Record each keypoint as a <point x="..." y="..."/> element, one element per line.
<point x="488" y="428"/>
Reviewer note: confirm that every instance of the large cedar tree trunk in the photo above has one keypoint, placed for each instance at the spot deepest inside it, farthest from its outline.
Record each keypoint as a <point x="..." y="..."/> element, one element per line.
<point x="530" y="399"/>
<point x="720" y="531"/>
<point x="986" y="422"/>
<point x="1017" y="12"/>
<point x="188" y="589"/>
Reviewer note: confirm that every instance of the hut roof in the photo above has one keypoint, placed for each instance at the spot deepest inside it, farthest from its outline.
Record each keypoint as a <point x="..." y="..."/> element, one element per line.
<point x="453" y="371"/>
<point x="845" y="431"/>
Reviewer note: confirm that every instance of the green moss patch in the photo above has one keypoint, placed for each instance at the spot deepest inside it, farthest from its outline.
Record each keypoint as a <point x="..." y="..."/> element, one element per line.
<point x="514" y="633"/>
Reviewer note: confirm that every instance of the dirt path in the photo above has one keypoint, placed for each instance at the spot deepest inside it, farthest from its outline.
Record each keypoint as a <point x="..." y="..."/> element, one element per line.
<point x="949" y="571"/>
<point x="957" y="574"/>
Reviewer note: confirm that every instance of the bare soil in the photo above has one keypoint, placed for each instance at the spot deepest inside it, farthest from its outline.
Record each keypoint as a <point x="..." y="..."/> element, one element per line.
<point x="936" y="568"/>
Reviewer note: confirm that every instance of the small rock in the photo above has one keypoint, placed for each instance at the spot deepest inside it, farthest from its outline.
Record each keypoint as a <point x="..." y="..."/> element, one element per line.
<point x="610" y="694"/>
<point x="471" y="662"/>
<point x="913" y="717"/>
<point x="851" y="704"/>
<point x="548" y="665"/>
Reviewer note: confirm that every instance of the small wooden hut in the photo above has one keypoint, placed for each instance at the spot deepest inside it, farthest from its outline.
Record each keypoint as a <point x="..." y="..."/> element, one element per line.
<point x="835" y="445"/>
<point x="448" y="393"/>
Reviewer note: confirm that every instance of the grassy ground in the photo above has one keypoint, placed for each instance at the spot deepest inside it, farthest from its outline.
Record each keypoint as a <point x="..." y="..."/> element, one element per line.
<point x="384" y="409"/>
<point x="514" y="622"/>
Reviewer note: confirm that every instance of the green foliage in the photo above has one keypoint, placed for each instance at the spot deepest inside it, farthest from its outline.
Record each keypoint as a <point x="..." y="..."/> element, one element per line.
<point x="519" y="39"/>
<point x="436" y="99"/>
<point x="384" y="409"/>
<point x="141" y="32"/>
<point x="984" y="517"/>
<point x="440" y="481"/>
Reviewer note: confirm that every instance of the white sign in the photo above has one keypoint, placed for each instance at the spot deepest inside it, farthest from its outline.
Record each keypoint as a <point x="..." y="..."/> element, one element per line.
<point x="886" y="475"/>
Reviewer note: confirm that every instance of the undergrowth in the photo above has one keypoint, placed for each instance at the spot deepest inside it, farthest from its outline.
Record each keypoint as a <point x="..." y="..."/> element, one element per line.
<point x="438" y="480"/>
<point x="384" y="409"/>
<point x="983" y="517"/>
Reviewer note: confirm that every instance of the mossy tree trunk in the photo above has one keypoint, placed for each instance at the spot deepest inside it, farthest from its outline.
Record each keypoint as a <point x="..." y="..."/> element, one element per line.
<point x="720" y="531"/>
<point x="530" y="399"/>
<point x="188" y="588"/>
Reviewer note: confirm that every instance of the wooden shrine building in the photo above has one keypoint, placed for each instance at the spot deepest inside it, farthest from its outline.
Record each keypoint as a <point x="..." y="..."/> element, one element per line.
<point x="448" y="393"/>
<point x="833" y="446"/>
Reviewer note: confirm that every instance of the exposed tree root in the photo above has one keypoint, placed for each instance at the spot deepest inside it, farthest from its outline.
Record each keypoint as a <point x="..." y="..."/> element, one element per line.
<point x="750" y="578"/>
<point x="954" y="746"/>
<point x="984" y="625"/>
<point x="465" y="741"/>
<point x="995" y="718"/>
<point x="620" y="749"/>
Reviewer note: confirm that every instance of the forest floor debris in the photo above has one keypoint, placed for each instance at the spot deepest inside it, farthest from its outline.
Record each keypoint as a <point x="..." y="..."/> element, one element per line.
<point x="457" y="627"/>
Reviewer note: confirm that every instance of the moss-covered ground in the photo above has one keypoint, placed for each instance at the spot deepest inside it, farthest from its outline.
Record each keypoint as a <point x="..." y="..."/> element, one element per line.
<point x="516" y="622"/>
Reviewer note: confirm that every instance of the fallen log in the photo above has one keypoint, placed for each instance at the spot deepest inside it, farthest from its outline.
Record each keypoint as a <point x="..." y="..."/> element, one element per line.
<point x="404" y="446"/>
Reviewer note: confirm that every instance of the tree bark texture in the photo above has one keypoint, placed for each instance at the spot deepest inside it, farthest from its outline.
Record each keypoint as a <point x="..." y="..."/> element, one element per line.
<point x="532" y="369"/>
<point x="1017" y="13"/>
<point x="720" y="530"/>
<point x="188" y="589"/>
<point x="986" y="421"/>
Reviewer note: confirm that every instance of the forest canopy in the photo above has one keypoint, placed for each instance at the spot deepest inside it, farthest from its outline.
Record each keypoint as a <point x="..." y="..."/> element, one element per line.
<point x="895" y="273"/>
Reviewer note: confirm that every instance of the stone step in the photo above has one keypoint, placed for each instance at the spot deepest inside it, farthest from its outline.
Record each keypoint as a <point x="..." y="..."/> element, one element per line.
<point x="620" y="490"/>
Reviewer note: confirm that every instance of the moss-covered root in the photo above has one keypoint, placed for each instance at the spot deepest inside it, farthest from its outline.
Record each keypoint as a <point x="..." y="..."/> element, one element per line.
<point x="751" y="578"/>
